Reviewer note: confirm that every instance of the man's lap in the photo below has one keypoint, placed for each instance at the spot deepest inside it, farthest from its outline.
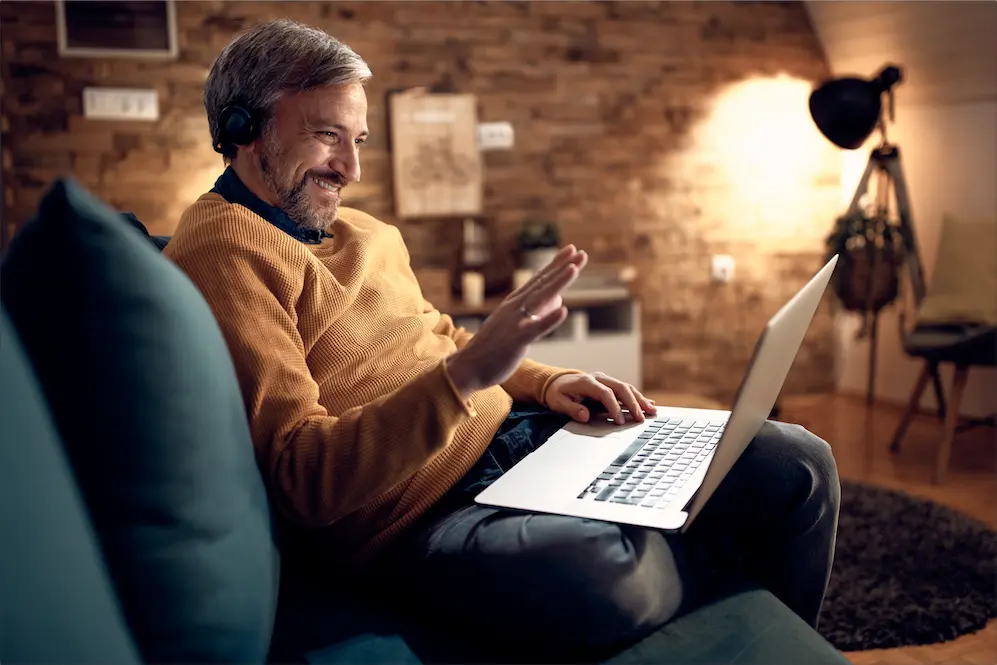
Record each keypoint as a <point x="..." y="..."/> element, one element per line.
<point x="594" y="582"/>
<point x="545" y="578"/>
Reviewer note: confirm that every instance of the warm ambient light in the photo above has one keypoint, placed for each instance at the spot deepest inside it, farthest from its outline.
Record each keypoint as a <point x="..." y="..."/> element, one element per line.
<point x="853" y="163"/>
<point x="767" y="144"/>
<point x="779" y="177"/>
<point x="199" y="164"/>
<point x="200" y="178"/>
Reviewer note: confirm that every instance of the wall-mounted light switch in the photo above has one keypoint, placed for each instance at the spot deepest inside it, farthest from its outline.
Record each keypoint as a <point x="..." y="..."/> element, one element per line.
<point x="495" y="136"/>
<point x="722" y="268"/>
<point x="120" y="104"/>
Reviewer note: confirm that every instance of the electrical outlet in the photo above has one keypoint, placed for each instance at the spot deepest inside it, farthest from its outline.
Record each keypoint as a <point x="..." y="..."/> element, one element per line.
<point x="495" y="136"/>
<point x="120" y="104"/>
<point x="722" y="268"/>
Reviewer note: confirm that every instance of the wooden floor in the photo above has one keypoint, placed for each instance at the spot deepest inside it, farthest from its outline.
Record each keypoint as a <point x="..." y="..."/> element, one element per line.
<point x="860" y="438"/>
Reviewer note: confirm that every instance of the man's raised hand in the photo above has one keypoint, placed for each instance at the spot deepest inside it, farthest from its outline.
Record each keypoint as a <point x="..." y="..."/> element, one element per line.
<point x="523" y="317"/>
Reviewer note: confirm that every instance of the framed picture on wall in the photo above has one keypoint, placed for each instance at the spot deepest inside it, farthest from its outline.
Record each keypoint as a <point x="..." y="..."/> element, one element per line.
<point x="436" y="162"/>
<point x="116" y="28"/>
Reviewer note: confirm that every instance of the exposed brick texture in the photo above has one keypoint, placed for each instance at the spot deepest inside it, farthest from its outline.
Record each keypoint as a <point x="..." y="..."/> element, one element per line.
<point x="611" y="102"/>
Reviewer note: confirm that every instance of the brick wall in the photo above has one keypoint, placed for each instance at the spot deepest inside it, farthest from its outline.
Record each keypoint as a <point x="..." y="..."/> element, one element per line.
<point x="640" y="129"/>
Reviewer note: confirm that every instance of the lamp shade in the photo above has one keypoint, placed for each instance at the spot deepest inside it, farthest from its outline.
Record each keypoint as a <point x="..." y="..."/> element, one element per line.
<point x="846" y="110"/>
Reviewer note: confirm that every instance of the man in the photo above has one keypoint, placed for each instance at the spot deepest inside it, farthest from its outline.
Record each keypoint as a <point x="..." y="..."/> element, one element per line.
<point x="375" y="420"/>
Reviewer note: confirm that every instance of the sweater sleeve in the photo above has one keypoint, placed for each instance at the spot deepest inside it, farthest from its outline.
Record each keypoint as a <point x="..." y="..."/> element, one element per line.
<point x="446" y="326"/>
<point x="318" y="467"/>
<point x="530" y="381"/>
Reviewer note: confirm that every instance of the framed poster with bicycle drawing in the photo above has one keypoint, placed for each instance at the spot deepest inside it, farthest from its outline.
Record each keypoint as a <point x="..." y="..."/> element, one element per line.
<point x="434" y="153"/>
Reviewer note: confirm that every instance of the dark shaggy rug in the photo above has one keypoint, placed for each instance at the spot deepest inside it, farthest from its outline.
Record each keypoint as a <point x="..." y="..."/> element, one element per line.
<point x="907" y="572"/>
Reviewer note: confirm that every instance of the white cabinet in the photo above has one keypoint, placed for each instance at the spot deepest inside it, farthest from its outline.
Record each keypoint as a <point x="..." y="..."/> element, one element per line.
<point x="601" y="334"/>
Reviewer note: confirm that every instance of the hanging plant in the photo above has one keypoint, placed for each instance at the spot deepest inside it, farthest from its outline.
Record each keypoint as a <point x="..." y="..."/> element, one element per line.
<point x="870" y="252"/>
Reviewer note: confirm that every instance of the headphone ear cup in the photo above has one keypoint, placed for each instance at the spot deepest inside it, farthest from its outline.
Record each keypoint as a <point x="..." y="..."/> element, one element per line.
<point x="237" y="126"/>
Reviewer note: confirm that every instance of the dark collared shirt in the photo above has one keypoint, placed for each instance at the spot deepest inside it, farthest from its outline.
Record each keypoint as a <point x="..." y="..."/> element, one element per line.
<point x="232" y="189"/>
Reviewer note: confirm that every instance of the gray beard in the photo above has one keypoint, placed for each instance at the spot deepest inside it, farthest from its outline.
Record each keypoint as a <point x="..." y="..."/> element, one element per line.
<point x="291" y="198"/>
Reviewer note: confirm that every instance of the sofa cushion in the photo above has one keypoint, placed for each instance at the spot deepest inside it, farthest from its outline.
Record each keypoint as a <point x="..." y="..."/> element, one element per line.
<point x="747" y="627"/>
<point x="322" y="625"/>
<point x="347" y="624"/>
<point x="57" y="604"/>
<point x="159" y="241"/>
<point x="145" y="398"/>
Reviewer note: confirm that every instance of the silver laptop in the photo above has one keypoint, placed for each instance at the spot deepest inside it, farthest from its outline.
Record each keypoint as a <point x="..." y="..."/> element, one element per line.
<point x="661" y="472"/>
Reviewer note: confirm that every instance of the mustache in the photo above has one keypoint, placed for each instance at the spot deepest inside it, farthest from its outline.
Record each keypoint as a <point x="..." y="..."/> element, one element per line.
<point x="333" y="176"/>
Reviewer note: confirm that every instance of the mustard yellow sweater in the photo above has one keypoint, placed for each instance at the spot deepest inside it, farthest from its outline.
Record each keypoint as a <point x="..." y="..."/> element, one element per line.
<point x="341" y="361"/>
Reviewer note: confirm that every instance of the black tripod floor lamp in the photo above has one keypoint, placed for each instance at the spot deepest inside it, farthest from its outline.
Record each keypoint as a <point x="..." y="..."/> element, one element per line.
<point x="847" y="111"/>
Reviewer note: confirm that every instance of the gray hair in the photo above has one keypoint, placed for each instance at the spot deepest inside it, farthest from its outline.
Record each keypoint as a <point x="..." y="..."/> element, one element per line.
<point x="261" y="64"/>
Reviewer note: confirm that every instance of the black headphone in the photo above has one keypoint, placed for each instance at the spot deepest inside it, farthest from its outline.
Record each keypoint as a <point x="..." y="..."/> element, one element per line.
<point x="236" y="126"/>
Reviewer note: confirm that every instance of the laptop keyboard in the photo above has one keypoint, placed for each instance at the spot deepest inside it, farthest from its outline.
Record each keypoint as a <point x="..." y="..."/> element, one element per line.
<point x="655" y="466"/>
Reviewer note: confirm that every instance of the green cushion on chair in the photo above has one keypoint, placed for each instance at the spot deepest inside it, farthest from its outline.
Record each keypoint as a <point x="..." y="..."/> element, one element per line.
<point x="144" y="395"/>
<point x="56" y="603"/>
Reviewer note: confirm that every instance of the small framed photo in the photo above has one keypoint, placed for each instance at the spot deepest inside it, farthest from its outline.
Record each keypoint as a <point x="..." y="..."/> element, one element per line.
<point x="117" y="28"/>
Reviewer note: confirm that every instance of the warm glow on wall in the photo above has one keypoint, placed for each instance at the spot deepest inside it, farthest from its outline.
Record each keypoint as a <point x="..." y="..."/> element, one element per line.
<point x="765" y="134"/>
<point x="201" y="179"/>
<point x="780" y="175"/>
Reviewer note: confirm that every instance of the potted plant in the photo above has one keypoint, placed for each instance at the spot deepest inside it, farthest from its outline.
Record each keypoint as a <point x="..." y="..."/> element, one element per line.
<point x="538" y="241"/>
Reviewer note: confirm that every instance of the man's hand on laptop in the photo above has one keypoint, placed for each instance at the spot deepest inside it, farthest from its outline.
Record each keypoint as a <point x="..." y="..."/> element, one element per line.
<point x="582" y="395"/>
<point x="526" y="315"/>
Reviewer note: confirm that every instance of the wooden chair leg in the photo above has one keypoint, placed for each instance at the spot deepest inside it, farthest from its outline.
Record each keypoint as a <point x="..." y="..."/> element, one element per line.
<point x="912" y="404"/>
<point x="936" y="378"/>
<point x="951" y="421"/>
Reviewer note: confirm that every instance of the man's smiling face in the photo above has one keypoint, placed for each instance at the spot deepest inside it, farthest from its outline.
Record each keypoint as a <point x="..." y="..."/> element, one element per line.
<point x="310" y="150"/>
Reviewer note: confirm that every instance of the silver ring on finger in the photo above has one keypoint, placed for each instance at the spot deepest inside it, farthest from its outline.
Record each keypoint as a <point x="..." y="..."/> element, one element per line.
<point x="528" y="314"/>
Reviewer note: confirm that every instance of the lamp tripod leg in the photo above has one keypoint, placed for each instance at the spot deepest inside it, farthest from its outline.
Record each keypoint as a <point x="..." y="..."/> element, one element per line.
<point x="892" y="165"/>
<point x="872" y="166"/>
<point x="870" y="392"/>
<point x="863" y="185"/>
<point x="886" y="160"/>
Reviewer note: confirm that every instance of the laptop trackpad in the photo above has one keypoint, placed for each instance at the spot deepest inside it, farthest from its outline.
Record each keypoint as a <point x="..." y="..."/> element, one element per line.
<point x="602" y="428"/>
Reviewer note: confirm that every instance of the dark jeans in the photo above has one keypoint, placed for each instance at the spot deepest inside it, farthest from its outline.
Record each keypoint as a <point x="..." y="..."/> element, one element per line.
<point x="564" y="585"/>
<point x="525" y="429"/>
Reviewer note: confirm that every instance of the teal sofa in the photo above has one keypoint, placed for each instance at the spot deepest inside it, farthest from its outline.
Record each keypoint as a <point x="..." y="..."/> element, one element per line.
<point x="135" y="527"/>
